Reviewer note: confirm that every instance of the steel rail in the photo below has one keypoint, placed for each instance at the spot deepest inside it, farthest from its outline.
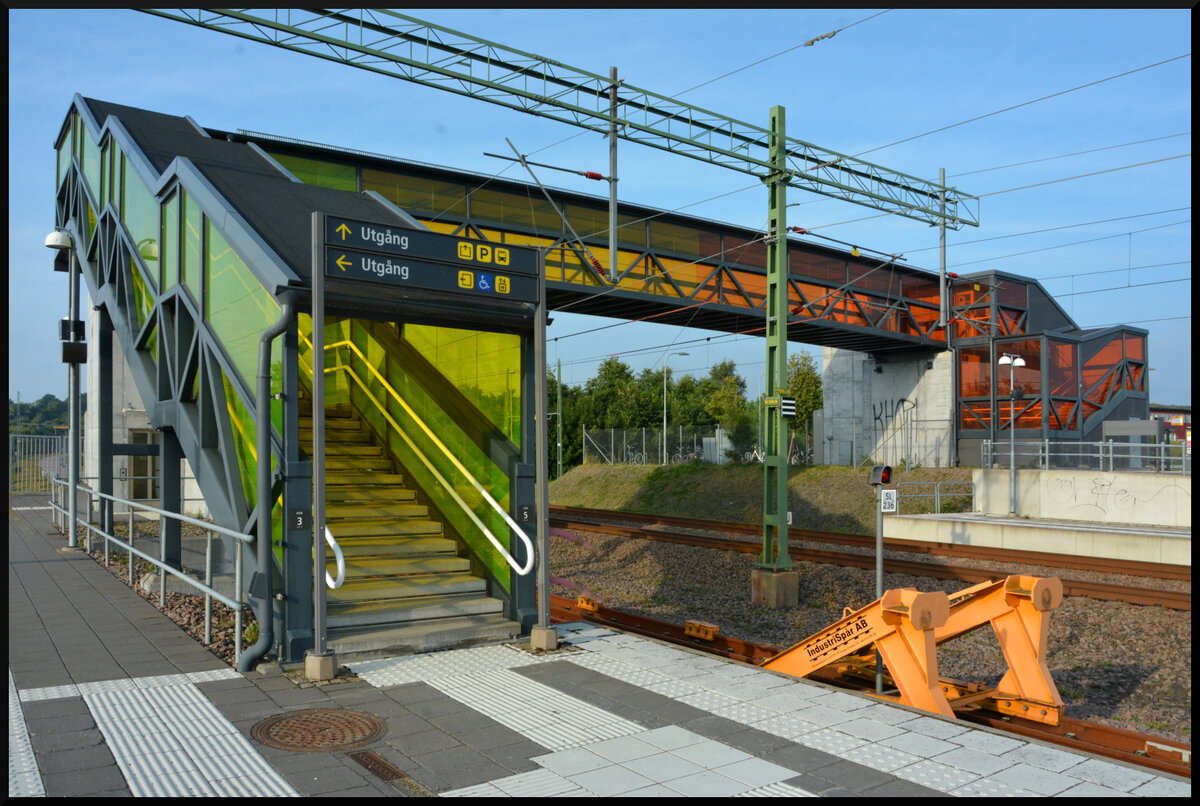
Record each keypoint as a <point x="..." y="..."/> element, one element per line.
<point x="1100" y="564"/>
<point x="1163" y="755"/>
<point x="1174" y="600"/>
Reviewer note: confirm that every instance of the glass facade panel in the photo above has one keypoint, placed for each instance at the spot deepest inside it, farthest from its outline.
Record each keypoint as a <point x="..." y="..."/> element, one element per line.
<point x="975" y="416"/>
<point x="1013" y="293"/>
<point x="974" y="372"/>
<point x="90" y="162"/>
<point x="140" y="212"/>
<point x="1064" y="377"/>
<point x="666" y="237"/>
<point x="1027" y="378"/>
<point x="66" y="147"/>
<point x="169" y="253"/>
<point x="417" y="194"/>
<point x="817" y="267"/>
<point x="518" y="210"/>
<point x="1135" y="347"/>
<point x="191" y="266"/>
<point x="143" y="293"/>
<point x="485" y="367"/>
<point x="1100" y="365"/>
<point x="239" y="309"/>
<point x="319" y="172"/>
<point x="746" y="253"/>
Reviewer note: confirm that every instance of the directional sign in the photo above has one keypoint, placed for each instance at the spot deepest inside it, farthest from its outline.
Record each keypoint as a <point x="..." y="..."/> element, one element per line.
<point x="345" y="233"/>
<point x="491" y="282"/>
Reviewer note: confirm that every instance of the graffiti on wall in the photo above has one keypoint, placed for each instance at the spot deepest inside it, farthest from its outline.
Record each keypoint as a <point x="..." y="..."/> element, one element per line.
<point x="1109" y="496"/>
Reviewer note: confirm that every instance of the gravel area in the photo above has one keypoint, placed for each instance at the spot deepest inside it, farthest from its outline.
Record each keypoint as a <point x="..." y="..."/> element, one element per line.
<point x="1117" y="664"/>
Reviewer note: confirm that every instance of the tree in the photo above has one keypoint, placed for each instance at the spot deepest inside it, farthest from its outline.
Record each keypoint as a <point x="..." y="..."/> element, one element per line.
<point x="804" y="384"/>
<point x="727" y="405"/>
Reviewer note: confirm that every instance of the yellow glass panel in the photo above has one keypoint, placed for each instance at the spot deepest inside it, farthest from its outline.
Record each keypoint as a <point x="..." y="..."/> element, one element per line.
<point x="319" y="172"/>
<point x="169" y="254"/>
<point x="239" y="309"/>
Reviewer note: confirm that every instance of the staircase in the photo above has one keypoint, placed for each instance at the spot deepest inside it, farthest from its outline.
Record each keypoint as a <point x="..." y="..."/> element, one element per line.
<point x="406" y="589"/>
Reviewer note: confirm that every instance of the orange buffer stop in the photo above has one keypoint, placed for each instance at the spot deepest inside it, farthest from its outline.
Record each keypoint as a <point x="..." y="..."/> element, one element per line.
<point x="906" y="626"/>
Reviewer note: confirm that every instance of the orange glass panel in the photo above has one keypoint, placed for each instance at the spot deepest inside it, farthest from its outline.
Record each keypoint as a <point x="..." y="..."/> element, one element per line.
<point x="921" y="289"/>
<point x="1012" y="293"/>
<point x="1102" y="362"/>
<point x="747" y="253"/>
<point x="974" y="372"/>
<point x="1063" y="377"/>
<point x="1135" y="347"/>
<point x="975" y="416"/>
<point x="1062" y="411"/>
<point x="1030" y="417"/>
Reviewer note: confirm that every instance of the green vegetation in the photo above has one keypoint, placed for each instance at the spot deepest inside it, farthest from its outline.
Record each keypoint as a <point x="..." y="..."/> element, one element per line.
<point x="616" y="398"/>
<point x="831" y="499"/>
<point x="39" y="417"/>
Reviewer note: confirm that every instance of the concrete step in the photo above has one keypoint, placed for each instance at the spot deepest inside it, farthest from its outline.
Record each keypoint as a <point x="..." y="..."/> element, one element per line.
<point x="339" y="477"/>
<point x="384" y="566"/>
<point x="385" y="528"/>
<point x="354" y="511"/>
<point x="345" y="434"/>
<point x="421" y="636"/>
<point x="407" y="611"/>
<point x="348" y="494"/>
<point x="348" y="450"/>
<point x="416" y="586"/>
<point x="356" y="463"/>
<point x="387" y="545"/>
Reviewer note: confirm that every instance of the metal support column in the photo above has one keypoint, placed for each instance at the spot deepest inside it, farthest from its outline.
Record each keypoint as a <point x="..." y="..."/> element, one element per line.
<point x="774" y="552"/>
<point x="318" y="452"/>
<point x="170" y="497"/>
<point x="297" y="636"/>
<point x="612" y="179"/>
<point x="104" y="415"/>
<point x="73" y="409"/>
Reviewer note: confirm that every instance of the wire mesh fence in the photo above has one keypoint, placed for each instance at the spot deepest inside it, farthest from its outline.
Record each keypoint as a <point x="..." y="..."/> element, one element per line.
<point x="34" y="460"/>
<point x="645" y="446"/>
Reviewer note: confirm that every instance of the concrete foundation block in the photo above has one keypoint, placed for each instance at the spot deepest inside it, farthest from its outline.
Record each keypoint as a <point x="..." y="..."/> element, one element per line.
<point x="545" y="638"/>
<point x="320" y="667"/>
<point x="774" y="589"/>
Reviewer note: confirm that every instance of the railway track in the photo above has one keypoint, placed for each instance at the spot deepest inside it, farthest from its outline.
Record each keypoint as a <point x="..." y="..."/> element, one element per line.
<point x="1147" y="751"/>
<point x="938" y="562"/>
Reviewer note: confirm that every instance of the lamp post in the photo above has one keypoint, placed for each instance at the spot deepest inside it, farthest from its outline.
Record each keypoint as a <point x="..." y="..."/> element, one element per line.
<point x="1012" y="361"/>
<point x="664" y="431"/>
<point x="60" y="241"/>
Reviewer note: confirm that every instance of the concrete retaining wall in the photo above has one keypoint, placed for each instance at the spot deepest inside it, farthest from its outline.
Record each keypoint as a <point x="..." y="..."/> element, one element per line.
<point x="1139" y="499"/>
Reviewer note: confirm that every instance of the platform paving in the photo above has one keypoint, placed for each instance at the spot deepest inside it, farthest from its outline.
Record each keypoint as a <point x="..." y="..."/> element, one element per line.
<point x="108" y="697"/>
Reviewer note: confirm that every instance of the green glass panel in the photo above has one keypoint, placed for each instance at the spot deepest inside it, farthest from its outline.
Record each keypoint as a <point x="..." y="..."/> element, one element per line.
<point x="238" y="309"/>
<point x="169" y="254"/>
<point x="105" y="174"/>
<point x="143" y="293"/>
<point x="318" y="172"/>
<point x="245" y="435"/>
<point x="66" y="148"/>
<point x="91" y="164"/>
<point x="141" y="214"/>
<point x="191" y="265"/>
<point x="417" y="193"/>
<point x="592" y="222"/>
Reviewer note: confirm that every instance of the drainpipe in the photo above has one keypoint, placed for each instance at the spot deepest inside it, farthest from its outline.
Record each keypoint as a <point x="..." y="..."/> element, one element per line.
<point x="266" y="625"/>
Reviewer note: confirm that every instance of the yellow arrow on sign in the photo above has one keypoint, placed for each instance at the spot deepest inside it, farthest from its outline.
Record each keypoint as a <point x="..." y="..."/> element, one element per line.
<point x="342" y="265"/>
<point x="344" y="230"/>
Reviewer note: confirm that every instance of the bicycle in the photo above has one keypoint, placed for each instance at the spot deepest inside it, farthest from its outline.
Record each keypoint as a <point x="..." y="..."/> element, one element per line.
<point x="634" y="457"/>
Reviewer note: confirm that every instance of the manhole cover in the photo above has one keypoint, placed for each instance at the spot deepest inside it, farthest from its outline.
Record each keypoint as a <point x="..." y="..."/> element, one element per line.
<point x="320" y="730"/>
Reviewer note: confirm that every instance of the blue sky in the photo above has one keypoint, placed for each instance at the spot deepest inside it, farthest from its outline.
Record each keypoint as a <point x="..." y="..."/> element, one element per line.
<point x="1112" y="248"/>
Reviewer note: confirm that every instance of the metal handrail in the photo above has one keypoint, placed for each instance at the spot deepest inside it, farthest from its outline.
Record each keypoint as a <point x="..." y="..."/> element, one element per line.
<point x="937" y="492"/>
<point x="209" y="592"/>
<point x="341" y="562"/>
<point x="470" y="513"/>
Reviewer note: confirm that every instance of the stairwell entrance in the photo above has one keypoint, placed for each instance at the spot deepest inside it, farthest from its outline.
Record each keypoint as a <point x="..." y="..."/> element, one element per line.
<point x="423" y="425"/>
